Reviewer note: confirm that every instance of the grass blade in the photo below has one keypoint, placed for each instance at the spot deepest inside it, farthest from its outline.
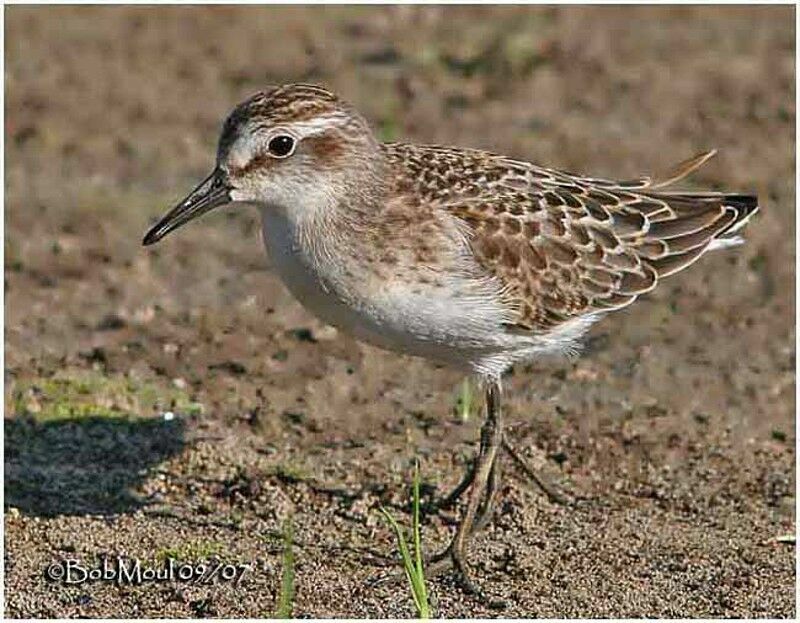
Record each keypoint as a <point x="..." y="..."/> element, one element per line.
<point x="420" y="572"/>
<point x="408" y="566"/>
<point x="412" y="566"/>
<point x="465" y="400"/>
<point x="286" y="596"/>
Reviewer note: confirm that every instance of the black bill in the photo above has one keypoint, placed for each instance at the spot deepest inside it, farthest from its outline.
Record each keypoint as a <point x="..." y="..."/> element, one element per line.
<point x="211" y="193"/>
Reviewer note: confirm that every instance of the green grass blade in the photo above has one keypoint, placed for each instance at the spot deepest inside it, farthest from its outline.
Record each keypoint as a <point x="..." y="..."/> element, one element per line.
<point x="408" y="565"/>
<point x="424" y="611"/>
<point x="412" y="566"/>
<point x="465" y="401"/>
<point x="286" y="596"/>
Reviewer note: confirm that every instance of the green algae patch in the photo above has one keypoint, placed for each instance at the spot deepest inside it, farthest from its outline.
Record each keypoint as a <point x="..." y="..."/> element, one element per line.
<point x="192" y="551"/>
<point x="94" y="395"/>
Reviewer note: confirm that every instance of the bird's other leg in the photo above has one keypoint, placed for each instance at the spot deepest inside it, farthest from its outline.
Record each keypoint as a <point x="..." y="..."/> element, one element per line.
<point x="451" y="498"/>
<point x="481" y="479"/>
<point x="552" y="494"/>
<point x="483" y="516"/>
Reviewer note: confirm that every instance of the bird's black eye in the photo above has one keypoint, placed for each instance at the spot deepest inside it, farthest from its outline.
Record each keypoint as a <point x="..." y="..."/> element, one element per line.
<point x="281" y="146"/>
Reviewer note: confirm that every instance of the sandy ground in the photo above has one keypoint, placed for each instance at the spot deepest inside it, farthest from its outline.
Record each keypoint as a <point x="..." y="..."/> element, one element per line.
<point x="674" y="432"/>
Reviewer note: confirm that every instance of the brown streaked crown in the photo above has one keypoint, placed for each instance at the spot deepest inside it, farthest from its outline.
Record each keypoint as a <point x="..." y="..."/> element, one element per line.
<point x="289" y="102"/>
<point x="280" y="105"/>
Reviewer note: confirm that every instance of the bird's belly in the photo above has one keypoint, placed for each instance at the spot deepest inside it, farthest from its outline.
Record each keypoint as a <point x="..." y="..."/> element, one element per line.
<point x="416" y="319"/>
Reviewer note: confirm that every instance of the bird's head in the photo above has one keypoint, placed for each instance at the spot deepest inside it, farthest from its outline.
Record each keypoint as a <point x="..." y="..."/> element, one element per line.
<point x="295" y="147"/>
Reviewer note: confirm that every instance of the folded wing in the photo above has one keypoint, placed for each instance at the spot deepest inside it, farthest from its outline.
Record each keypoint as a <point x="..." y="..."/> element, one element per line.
<point x="563" y="246"/>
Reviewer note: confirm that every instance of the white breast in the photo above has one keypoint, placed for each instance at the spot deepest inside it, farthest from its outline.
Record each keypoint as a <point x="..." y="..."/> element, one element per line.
<point x="452" y="324"/>
<point x="303" y="277"/>
<point x="460" y="323"/>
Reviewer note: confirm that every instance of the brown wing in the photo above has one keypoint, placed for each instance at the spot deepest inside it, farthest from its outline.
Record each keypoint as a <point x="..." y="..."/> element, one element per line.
<point x="566" y="246"/>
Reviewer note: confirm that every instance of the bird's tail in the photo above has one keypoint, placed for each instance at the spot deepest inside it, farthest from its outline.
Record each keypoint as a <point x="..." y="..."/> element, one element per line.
<point x="743" y="208"/>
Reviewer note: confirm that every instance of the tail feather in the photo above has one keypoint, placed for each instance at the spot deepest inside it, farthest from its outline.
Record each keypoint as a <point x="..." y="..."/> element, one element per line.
<point x="745" y="205"/>
<point x="700" y="222"/>
<point x="654" y="232"/>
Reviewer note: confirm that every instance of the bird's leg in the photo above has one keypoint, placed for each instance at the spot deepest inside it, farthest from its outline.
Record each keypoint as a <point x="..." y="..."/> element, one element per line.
<point x="550" y="492"/>
<point x="491" y="441"/>
<point x="485" y="479"/>
<point x="443" y="559"/>
<point x="492" y="489"/>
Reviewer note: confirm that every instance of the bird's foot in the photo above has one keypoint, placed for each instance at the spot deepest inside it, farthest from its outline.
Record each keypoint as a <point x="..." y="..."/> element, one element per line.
<point x="454" y="557"/>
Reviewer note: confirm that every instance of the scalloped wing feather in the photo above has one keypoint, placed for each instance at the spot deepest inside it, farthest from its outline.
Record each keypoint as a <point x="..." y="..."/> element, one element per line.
<point x="566" y="246"/>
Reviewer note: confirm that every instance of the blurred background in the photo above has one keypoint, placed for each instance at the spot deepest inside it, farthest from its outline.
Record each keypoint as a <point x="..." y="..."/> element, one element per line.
<point x="178" y="401"/>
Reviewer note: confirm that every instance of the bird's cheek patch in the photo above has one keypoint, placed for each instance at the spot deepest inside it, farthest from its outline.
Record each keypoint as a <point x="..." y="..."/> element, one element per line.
<point x="327" y="149"/>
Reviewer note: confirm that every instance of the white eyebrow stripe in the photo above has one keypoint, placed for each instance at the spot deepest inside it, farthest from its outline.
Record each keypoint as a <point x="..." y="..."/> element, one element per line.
<point x="317" y="125"/>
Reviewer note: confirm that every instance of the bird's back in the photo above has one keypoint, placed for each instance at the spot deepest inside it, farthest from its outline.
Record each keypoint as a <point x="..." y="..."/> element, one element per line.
<point x="566" y="246"/>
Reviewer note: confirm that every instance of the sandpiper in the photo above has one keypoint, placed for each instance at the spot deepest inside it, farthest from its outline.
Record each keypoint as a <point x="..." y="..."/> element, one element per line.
<point x="457" y="255"/>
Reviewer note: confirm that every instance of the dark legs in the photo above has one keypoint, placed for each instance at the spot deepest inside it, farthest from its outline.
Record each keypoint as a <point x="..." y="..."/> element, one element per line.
<point x="526" y="469"/>
<point x="483" y="481"/>
<point x="492" y="488"/>
<point x="484" y="486"/>
<point x="552" y="494"/>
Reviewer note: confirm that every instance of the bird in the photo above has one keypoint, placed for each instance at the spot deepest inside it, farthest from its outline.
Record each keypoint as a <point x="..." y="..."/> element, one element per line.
<point x="461" y="256"/>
